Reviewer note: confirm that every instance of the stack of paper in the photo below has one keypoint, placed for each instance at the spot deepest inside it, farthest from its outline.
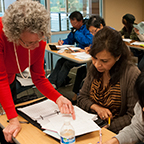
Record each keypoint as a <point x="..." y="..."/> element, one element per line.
<point x="25" y="82"/>
<point x="82" y="55"/>
<point x="137" y="43"/>
<point x="46" y="113"/>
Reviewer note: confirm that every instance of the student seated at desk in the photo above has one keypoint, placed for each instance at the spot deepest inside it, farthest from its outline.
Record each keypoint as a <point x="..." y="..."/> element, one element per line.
<point x="108" y="89"/>
<point x="134" y="133"/>
<point x="94" y="24"/>
<point x="79" y="35"/>
<point x="129" y="32"/>
<point x="23" y="28"/>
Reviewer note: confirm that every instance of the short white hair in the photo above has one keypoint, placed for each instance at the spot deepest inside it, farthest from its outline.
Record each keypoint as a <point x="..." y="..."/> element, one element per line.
<point x="25" y="15"/>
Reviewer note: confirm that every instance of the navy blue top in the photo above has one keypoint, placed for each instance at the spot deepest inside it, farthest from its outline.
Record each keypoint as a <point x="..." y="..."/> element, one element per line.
<point x="82" y="37"/>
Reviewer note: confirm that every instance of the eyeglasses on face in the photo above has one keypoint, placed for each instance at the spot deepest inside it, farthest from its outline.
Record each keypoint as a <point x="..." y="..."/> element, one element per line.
<point x="93" y="32"/>
<point x="31" y="43"/>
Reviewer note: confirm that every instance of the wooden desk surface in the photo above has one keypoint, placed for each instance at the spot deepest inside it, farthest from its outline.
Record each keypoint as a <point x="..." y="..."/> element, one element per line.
<point x="134" y="46"/>
<point x="32" y="135"/>
<point x="68" y="56"/>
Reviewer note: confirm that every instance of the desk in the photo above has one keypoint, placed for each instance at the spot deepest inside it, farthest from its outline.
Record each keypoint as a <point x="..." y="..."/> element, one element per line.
<point x="65" y="55"/>
<point x="134" y="46"/>
<point x="32" y="135"/>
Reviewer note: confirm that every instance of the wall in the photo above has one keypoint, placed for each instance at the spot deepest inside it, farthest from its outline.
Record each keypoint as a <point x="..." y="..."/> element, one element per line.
<point x="113" y="11"/>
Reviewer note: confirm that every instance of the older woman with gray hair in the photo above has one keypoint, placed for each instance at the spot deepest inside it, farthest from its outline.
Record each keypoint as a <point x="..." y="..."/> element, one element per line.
<point x="23" y="29"/>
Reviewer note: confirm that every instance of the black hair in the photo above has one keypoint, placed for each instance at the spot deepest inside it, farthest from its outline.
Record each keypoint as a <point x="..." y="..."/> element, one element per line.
<point x="128" y="21"/>
<point x="76" y="15"/>
<point x="95" y="21"/>
<point x="110" y="40"/>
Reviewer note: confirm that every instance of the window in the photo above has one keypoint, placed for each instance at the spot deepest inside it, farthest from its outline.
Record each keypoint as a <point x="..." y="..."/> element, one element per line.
<point x="60" y="10"/>
<point x="1" y="8"/>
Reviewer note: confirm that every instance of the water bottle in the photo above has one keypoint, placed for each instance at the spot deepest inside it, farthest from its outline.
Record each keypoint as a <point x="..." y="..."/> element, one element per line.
<point x="67" y="133"/>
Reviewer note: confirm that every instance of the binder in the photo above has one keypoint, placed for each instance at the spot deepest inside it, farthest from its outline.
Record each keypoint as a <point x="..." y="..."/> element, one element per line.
<point x="53" y="121"/>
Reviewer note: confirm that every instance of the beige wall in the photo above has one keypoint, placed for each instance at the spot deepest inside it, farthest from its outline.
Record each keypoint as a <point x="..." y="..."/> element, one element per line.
<point x="113" y="11"/>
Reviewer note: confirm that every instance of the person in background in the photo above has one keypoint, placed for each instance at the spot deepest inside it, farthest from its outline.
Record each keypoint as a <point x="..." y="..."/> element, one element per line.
<point x="141" y="37"/>
<point x="80" y="36"/>
<point x="23" y="28"/>
<point x="108" y="89"/>
<point x="129" y="32"/>
<point x="134" y="133"/>
<point x="94" y="24"/>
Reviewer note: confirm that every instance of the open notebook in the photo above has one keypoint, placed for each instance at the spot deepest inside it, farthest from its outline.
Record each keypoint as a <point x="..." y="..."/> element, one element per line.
<point x="47" y="114"/>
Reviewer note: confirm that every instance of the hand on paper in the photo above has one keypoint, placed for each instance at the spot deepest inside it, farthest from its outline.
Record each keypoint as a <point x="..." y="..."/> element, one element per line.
<point x="65" y="106"/>
<point x="87" y="49"/>
<point x="60" y="42"/>
<point x="103" y="113"/>
<point x="12" y="129"/>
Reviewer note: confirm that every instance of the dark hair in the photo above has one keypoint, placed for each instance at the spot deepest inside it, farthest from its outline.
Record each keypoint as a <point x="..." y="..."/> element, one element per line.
<point x="95" y="21"/>
<point x="129" y="18"/>
<point x="110" y="40"/>
<point x="128" y="21"/>
<point x="76" y="15"/>
<point x="139" y="86"/>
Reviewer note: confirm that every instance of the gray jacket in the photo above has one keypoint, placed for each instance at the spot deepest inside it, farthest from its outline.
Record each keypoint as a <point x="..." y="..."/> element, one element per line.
<point x="135" y="131"/>
<point x="128" y="98"/>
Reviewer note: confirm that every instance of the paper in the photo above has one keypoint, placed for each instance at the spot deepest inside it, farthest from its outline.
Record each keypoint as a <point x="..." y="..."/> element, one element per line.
<point x="127" y="40"/>
<point x="74" y="49"/>
<point x="83" y="123"/>
<point x="140" y="27"/>
<point x="63" y="46"/>
<point x="82" y="55"/>
<point x="137" y="43"/>
<point x="25" y="82"/>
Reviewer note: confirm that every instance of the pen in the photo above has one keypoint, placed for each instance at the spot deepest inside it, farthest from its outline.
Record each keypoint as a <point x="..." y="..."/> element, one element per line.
<point x="100" y="136"/>
<point x="109" y="121"/>
<point x="21" y="122"/>
<point x="71" y="49"/>
<point x="60" y="41"/>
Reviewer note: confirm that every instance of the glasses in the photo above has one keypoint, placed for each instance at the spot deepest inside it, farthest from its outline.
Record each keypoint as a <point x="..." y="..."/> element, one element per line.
<point x="93" y="32"/>
<point x="31" y="43"/>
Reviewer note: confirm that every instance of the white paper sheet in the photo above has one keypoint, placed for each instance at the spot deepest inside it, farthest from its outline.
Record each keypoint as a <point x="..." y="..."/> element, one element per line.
<point x="25" y="82"/>
<point x="82" y="55"/>
<point x="137" y="43"/>
<point x="127" y="40"/>
<point x="63" y="46"/>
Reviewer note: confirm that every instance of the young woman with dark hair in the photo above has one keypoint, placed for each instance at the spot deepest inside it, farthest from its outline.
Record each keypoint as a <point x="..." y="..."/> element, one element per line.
<point x="108" y="89"/>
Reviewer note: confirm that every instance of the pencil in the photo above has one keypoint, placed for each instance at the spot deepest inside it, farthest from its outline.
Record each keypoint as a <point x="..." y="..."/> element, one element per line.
<point x="26" y="122"/>
<point x="109" y="121"/>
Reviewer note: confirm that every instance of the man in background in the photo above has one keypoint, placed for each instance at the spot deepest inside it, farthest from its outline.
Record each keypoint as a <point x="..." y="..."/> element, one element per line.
<point x="80" y="36"/>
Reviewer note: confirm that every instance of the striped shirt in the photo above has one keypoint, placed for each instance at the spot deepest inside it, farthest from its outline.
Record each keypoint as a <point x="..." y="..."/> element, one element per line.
<point x="108" y="97"/>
